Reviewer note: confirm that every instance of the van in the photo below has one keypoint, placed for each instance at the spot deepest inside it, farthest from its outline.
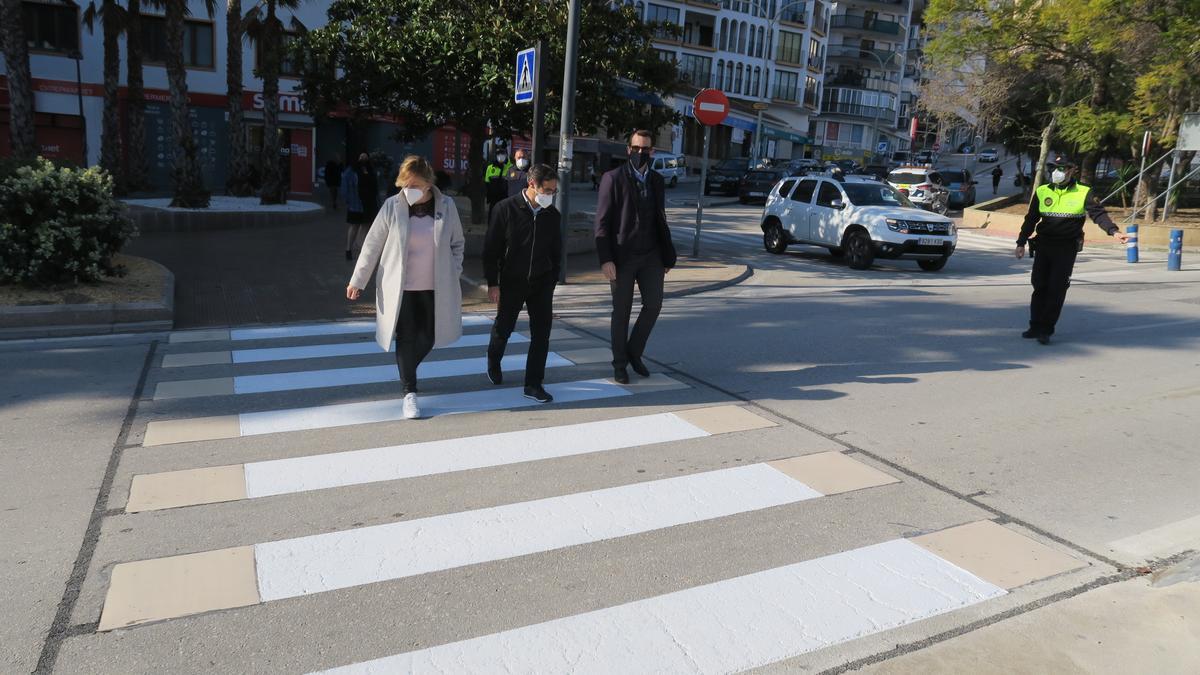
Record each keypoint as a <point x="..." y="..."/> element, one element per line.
<point x="670" y="167"/>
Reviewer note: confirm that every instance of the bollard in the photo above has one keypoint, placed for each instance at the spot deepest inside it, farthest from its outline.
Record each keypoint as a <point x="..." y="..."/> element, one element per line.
<point x="1131" y="247"/>
<point x="1175" y="253"/>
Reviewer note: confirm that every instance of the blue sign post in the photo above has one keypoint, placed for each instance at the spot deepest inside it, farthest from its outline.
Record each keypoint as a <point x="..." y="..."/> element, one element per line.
<point x="525" y="76"/>
<point x="1175" y="252"/>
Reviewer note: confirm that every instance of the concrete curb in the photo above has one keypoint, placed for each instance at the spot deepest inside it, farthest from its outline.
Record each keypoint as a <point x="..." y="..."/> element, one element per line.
<point x="152" y="220"/>
<point x="38" y="321"/>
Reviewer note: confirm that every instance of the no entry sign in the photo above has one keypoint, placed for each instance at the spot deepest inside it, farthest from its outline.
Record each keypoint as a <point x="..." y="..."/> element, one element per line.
<point x="710" y="107"/>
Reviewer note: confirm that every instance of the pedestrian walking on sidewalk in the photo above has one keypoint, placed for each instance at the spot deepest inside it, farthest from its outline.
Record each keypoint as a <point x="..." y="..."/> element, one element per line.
<point x="997" y="172"/>
<point x="634" y="245"/>
<point x="417" y="244"/>
<point x="356" y="220"/>
<point x="333" y="179"/>
<point x="1058" y="211"/>
<point x="522" y="259"/>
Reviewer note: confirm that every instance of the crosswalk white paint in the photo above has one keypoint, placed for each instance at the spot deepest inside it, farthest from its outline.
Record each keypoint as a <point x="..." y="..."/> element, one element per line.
<point x="727" y="626"/>
<point x="349" y="349"/>
<point x="366" y="555"/>
<point x="328" y="328"/>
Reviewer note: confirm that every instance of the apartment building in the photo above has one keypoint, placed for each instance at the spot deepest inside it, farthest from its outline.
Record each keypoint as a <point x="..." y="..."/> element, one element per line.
<point x="866" y="69"/>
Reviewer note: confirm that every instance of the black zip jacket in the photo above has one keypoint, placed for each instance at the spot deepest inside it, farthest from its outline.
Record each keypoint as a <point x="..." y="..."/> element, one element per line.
<point x="519" y="248"/>
<point x="1061" y="231"/>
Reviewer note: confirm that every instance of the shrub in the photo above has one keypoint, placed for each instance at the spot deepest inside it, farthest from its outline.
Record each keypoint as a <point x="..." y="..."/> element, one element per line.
<point x="59" y="224"/>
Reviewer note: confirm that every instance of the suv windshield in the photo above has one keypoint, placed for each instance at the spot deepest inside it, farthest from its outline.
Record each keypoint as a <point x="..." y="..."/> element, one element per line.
<point x="906" y="177"/>
<point x="875" y="194"/>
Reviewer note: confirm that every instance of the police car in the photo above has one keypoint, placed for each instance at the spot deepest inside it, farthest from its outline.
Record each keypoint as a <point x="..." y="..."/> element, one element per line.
<point x="924" y="187"/>
<point x="857" y="218"/>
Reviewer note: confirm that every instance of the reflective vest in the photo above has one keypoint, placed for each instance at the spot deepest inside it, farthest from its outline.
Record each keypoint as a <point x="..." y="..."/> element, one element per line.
<point x="1068" y="203"/>
<point x="494" y="171"/>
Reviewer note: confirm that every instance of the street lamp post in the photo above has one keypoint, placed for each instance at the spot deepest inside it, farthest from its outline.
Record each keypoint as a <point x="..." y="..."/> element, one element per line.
<point x="760" y="145"/>
<point x="882" y="65"/>
<point x="77" y="56"/>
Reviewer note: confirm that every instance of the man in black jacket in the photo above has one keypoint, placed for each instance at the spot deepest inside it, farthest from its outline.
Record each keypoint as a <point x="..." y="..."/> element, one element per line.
<point x="634" y="245"/>
<point x="522" y="256"/>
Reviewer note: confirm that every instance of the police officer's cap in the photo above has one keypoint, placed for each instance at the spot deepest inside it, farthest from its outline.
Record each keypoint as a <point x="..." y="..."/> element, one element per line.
<point x="1062" y="161"/>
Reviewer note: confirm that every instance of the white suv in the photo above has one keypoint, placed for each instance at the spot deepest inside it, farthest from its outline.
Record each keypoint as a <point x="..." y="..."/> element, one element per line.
<point x="857" y="218"/>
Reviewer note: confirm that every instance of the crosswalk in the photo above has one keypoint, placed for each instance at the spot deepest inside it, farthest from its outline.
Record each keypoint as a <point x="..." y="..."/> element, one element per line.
<point x="737" y="620"/>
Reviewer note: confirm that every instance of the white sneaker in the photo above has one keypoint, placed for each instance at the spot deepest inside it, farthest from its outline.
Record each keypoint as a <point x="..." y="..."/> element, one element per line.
<point x="411" y="410"/>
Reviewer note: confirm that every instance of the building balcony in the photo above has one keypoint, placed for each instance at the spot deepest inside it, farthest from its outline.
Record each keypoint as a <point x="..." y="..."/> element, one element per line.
<point x="890" y="5"/>
<point x="856" y="110"/>
<point x="862" y="23"/>
<point x="843" y="52"/>
<point x="857" y="81"/>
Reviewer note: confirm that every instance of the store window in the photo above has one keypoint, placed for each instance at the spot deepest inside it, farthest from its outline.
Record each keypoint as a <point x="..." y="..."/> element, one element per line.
<point x="198" y="43"/>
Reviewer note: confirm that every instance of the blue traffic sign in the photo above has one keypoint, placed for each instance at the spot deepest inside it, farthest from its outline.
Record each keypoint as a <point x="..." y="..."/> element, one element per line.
<point x="882" y="147"/>
<point x="526" y="68"/>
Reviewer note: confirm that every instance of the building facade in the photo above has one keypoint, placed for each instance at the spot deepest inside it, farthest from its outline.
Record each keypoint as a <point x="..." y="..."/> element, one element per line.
<point x="867" y="76"/>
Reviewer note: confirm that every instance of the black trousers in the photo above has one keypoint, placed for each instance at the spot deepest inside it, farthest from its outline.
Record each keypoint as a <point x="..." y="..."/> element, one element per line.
<point x="537" y="297"/>
<point x="1051" y="276"/>
<point x="414" y="335"/>
<point x="647" y="271"/>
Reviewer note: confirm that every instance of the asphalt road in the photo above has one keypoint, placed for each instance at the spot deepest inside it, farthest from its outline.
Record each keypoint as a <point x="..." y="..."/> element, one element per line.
<point x="952" y="480"/>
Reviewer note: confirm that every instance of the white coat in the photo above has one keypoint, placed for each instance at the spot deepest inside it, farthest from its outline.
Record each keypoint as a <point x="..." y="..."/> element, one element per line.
<point x="384" y="249"/>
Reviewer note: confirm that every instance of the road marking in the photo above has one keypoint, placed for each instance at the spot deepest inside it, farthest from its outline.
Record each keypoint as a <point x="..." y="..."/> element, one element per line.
<point x="337" y="377"/>
<point x="998" y="554"/>
<point x="253" y="480"/>
<point x="1147" y="326"/>
<point x="324" y="562"/>
<point x="296" y="330"/>
<point x="388" y="410"/>
<point x="1161" y="541"/>
<point x="728" y="626"/>
<point x="358" y="348"/>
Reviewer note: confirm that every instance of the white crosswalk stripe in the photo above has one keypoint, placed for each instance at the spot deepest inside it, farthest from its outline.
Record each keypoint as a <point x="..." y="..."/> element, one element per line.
<point x="751" y="617"/>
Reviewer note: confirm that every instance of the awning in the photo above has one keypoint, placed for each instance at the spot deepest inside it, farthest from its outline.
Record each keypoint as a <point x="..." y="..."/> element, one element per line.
<point x="784" y="135"/>
<point x="631" y="91"/>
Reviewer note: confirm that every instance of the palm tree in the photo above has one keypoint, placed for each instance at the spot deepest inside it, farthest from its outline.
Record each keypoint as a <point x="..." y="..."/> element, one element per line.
<point x="189" y="190"/>
<point x="112" y="17"/>
<point x="267" y="30"/>
<point x="137" y="171"/>
<point x="238" y="183"/>
<point x="20" y="83"/>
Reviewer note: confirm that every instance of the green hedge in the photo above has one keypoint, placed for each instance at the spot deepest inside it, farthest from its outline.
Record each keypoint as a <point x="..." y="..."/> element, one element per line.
<point x="58" y="224"/>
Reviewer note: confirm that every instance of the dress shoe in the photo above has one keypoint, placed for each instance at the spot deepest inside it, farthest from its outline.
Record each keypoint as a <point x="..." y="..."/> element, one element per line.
<point x="1043" y="339"/>
<point x="538" y="394"/>
<point x="620" y="376"/>
<point x="494" y="373"/>
<point x="640" y="368"/>
<point x="1029" y="334"/>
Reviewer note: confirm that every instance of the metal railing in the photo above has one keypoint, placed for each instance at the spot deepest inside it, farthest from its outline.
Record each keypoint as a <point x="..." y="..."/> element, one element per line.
<point x="844" y="51"/>
<point x="863" y="23"/>
<point x="853" y="109"/>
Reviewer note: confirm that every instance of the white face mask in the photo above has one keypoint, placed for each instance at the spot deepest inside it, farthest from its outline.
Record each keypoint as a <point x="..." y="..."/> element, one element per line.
<point x="501" y="157"/>
<point x="413" y="195"/>
<point x="543" y="200"/>
<point x="522" y="164"/>
<point x="1058" y="176"/>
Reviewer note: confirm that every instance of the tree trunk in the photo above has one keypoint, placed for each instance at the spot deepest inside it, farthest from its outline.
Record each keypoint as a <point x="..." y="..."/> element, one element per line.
<point x="20" y="83"/>
<point x="273" y="190"/>
<point x="136" y="170"/>
<point x="238" y="183"/>
<point x="1044" y="150"/>
<point x="110" y="125"/>
<point x="475" y="167"/>
<point x="189" y="190"/>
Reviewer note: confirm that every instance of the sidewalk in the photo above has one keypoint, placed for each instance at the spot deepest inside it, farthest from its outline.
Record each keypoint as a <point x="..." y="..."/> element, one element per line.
<point x="299" y="273"/>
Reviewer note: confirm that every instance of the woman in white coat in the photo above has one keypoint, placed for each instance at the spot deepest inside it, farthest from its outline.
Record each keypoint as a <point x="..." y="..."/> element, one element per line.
<point x="417" y="244"/>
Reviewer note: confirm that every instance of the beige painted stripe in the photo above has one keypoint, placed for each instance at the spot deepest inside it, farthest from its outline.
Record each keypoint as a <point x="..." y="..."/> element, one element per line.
<point x="217" y="386"/>
<point x="997" y="554"/>
<point x="832" y="473"/>
<point x="592" y="355"/>
<point x="172" y="489"/>
<point x="198" y="336"/>
<point x="656" y="382"/>
<point x="197" y="359"/>
<point x="165" y="588"/>
<point x="725" y="419"/>
<point x="197" y="429"/>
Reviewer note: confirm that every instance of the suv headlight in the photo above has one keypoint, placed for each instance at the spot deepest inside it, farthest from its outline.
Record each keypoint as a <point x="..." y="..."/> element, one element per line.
<point x="900" y="226"/>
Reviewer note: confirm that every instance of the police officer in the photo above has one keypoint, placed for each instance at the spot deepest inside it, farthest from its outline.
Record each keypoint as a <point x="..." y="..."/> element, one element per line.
<point x="1058" y="212"/>
<point x="494" y="182"/>
<point x="518" y="174"/>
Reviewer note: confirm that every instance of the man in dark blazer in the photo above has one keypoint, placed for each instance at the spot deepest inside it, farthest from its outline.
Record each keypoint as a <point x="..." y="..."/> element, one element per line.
<point x="634" y="245"/>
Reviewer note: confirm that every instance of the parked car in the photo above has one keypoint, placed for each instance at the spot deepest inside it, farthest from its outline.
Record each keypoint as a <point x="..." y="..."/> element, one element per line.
<point x="923" y="186"/>
<point x="757" y="184"/>
<point x="961" y="186"/>
<point x="725" y="176"/>
<point x="925" y="157"/>
<point x="856" y="218"/>
<point x="800" y="167"/>
<point x="671" y="167"/>
<point x="848" y="165"/>
<point x="877" y="171"/>
<point x="988" y="155"/>
<point x="899" y="158"/>
<point x="966" y="149"/>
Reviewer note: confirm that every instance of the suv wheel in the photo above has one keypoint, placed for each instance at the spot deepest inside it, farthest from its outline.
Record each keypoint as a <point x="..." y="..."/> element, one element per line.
<point x="860" y="253"/>
<point x="933" y="265"/>
<point x="837" y="252"/>
<point x="774" y="239"/>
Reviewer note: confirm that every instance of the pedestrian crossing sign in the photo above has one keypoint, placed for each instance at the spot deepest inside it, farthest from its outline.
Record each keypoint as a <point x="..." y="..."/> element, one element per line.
<point x="526" y="67"/>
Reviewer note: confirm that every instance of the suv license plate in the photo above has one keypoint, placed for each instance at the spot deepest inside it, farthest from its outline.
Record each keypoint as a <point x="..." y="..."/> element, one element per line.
<point x="929" y="241"/>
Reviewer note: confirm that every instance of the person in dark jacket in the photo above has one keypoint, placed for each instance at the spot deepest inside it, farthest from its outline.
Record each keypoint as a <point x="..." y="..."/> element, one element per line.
<point x="333" y="179"/>
<point x="368" y="188"/>
<point x="634" y="245"/>
<point x="997" y="173"/>
<point x="356" y="220"/>
<point x="522" y="260"/>
<point x="1057" y="212"/>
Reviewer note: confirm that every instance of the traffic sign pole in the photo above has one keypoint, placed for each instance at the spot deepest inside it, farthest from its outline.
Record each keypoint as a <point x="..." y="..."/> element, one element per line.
<point x="539" y="105"/>
<point x="700" y="199"/>
<point x="566" y="143"/>
<point x="710" y="108"/>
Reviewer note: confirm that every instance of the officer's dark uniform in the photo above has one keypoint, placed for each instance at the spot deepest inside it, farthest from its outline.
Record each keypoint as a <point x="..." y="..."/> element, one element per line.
<point x="1058" y="213"/>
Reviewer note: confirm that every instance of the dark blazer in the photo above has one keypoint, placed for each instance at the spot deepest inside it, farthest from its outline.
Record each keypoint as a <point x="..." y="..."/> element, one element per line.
<point x="616" y="215"/>
<point x="518" y="247"/>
